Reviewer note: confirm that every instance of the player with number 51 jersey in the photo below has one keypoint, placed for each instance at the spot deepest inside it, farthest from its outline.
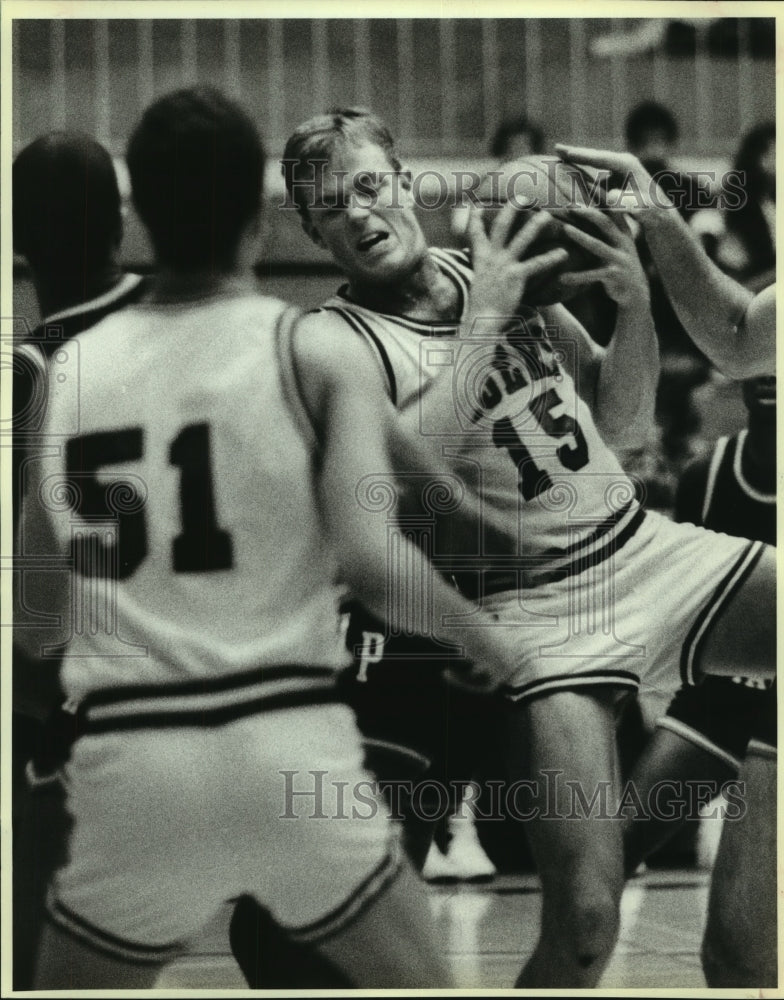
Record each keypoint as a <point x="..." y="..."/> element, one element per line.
<point x="157" y="489"/>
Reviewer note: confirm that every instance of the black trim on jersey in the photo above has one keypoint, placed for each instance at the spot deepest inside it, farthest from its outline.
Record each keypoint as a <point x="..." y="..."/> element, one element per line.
<point x="352" y="908"/>
<point x="361" y="326"/>
<point x="567" y="682"/>
<point x="219" y="716"/>
<point x="85" y="315"/>
<point x="432" y="327"/>
<point x="106" y="943"/>
<point x="602" y="529"/>
<point x="210" y="685"/>
<point x="695" y="640"/>
<point x="469" y="582"/>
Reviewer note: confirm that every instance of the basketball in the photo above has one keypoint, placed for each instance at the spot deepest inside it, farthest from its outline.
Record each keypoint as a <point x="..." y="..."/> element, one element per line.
<point x="546" y="183"/>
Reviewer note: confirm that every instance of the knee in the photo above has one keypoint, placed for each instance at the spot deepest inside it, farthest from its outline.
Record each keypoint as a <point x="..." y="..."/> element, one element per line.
<point x="594" y="923"/>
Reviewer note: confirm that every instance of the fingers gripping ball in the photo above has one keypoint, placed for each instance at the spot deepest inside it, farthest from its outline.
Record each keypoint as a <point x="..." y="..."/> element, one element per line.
<point x="539" y="183"/>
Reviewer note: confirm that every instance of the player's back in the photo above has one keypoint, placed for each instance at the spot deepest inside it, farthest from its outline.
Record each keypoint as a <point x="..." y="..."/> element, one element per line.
<point x="188" y="435"/>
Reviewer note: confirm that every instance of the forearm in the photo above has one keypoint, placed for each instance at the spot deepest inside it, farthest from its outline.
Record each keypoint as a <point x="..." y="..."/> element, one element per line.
<point x="406" y="590"/>
<point x="625" y="392"/>
<point x="710" y="305"/>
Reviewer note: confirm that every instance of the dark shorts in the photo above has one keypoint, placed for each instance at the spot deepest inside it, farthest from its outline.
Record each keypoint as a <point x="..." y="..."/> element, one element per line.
<point x="723" y="715"/>
<point x="402" y="701"/>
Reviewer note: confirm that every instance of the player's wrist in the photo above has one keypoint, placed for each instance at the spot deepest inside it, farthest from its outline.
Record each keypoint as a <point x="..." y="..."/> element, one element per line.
<point x="634" y="297"/>
<point x="657" y="211"/>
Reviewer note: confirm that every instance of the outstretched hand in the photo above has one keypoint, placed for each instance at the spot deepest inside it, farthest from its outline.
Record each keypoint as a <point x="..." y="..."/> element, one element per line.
<point x="639" y="191"/>
<point x="620" y="270"/>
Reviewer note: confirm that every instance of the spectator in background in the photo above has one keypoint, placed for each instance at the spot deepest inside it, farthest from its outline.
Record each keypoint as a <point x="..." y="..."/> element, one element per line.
<point x="515" y="138"/>
<point x="743" y="241"/>
<point x="652" y="134"/>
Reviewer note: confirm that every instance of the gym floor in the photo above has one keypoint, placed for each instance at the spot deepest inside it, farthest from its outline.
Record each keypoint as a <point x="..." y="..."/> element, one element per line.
<point x="488" y="929"/>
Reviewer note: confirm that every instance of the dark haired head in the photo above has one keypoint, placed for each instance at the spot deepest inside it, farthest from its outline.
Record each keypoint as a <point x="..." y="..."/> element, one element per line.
<point x="317" y="139"/>
<point x="754" y="145"/>
<point x="748" y="222"/>
<point x="196" y="165"/>
<point x="650" y="117"/>
<point x="66" y="206"/>
<point x="501" y="146"/>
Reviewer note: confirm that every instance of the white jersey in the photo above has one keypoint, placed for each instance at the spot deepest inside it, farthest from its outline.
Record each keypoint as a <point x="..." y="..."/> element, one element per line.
<point x="512" y="424"/>
<point x="182" y="487"/>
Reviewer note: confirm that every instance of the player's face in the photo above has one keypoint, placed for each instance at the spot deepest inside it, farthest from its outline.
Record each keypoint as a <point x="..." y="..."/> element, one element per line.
<point x="365" y="217"/>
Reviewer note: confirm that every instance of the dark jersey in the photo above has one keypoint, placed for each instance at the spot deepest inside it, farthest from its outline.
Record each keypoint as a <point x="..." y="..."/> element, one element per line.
<point x="714" y="493"/>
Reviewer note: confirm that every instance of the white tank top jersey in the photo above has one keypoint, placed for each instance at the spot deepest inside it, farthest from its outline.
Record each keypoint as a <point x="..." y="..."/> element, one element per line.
<point x="187" y="498"/>
<point x="506" y="412"/>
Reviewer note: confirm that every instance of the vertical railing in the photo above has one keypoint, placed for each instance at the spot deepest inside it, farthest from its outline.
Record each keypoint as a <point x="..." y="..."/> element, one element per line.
<point x="395" y="74"/>
<point x="405" y="72"/>
<point x="618" y="91"/>
<point x="145" y="83"/>
<point x="447" y="60"/>
<point x="533" y="68"/>
<point x="319" y="40"/>
<point x="188" y="53"/>
<point x="276" y="109"/>
<point x="103" y="111"/>
<point x="232" y="64"/>
<point x="490" y="77"/>
<point x="578" y="75"/>
<point x="361" y="62"/>
<point x="57" y="81"/>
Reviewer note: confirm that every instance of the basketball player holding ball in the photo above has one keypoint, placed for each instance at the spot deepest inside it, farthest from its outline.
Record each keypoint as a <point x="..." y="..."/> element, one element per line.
<point x="566" y="559"/>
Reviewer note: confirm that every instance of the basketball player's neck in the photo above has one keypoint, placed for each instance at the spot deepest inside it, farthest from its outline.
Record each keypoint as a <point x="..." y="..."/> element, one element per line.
<point x="57" y="293"/>
<point x="758" y="461"/>
<point x="173" y="285"/>
<point x="424" y="294"/>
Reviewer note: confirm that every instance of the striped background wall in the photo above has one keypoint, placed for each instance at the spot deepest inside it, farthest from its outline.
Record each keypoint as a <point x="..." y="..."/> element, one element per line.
<point x="443" y="85"/>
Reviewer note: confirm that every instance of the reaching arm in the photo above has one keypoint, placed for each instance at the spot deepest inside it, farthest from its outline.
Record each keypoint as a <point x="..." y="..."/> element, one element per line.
<point x="714" y="309"/>
<point x="342" y="388"/>
<point x="726" y="321"/>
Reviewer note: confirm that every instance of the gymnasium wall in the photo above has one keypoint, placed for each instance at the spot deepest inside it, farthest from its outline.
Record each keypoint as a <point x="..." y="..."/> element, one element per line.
<point x="443" y="85"/>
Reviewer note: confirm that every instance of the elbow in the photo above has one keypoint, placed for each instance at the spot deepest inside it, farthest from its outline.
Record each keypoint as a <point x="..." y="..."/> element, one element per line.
<point x="629" y="437"/>
<point x="629" y="431"/>
<point x="744" y="363"/>
<point x="363" y="569"/>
